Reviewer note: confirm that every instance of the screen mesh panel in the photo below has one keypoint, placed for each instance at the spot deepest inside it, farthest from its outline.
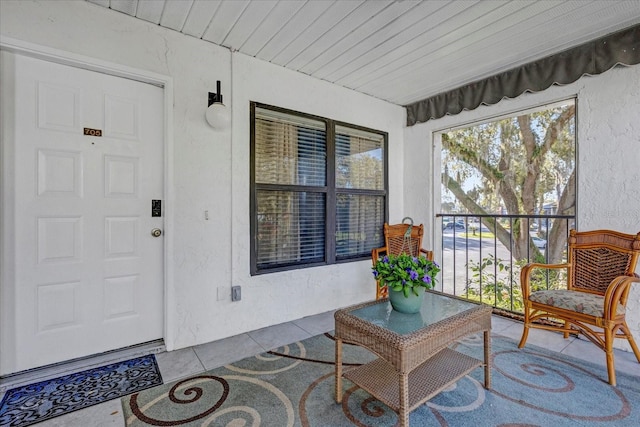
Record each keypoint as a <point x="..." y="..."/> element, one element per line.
<point x="358" y="224"/>
<point x="287" y="152"/>
<point x="314" y="200"/>
<point x="359" y="159"/>
<point x="290" y="227"/>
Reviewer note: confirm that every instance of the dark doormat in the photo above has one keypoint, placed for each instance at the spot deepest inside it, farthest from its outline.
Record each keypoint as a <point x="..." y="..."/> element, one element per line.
<point x="34" y="403"/>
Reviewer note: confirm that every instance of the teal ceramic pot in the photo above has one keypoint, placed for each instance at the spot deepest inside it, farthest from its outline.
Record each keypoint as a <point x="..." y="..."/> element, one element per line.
<point x="408" y="305"/>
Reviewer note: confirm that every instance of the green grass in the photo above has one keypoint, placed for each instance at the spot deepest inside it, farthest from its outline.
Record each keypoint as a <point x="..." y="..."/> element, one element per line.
<point x="470" y="235"/>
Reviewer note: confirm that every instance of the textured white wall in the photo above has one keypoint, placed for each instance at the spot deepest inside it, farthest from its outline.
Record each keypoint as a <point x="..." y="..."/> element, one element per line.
<point x="608" y="155"/>
<point x="211" y="169"/>
<point x="609" y="163"/>
<point x="277" y="297"/>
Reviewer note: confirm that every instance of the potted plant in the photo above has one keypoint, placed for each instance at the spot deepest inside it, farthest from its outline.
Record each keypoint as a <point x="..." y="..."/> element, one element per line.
<point x="407" y="277"/>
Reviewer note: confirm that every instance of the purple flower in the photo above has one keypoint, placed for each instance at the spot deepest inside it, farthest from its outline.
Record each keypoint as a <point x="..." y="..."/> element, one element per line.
<point x="436" y="264"/>
<point x="385" y="259"/>
<point x="413" y="275"/>
<point x="375" y="274"/>
<point x="426" y="279"/>
<point x="415" y="260"/>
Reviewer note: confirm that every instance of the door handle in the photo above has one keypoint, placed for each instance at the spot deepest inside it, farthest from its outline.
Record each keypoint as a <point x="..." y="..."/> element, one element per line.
<point x="156" y="232"/>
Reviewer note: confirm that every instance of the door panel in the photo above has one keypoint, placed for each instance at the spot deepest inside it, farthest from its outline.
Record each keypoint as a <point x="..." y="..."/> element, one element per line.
<point x="88" y="273"/>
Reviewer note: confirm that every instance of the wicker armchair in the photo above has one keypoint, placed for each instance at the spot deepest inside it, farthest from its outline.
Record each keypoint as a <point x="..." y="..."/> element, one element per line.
<point x="600" y="272"/>
<point x="400" y="238"/>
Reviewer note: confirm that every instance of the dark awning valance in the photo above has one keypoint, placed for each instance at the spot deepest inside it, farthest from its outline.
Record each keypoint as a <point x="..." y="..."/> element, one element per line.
<point x="566" y="67"/>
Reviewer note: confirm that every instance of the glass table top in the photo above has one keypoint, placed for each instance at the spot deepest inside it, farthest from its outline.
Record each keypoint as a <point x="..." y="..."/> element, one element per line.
<point x="434" y="309"/>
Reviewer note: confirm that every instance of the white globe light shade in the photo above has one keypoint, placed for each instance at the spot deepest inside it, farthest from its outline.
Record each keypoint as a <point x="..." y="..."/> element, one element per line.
<point x="218" y="115"/>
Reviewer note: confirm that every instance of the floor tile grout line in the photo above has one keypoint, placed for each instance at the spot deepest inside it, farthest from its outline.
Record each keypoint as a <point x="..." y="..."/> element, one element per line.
<point x="255" y="341"/>
<point x="285" y="324"/>
<point x="204" y="368"/>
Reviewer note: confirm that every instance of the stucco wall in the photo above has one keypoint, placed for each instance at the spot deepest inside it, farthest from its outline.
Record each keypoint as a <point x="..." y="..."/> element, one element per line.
<point x="210" y="169"/>
<point x="609" y="162"/>
<point x="608" y="108"/>
<point x="319" y="289"/>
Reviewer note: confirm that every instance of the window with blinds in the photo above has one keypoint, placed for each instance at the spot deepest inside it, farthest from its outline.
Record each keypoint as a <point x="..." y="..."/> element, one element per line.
<point x="318" y="190"/>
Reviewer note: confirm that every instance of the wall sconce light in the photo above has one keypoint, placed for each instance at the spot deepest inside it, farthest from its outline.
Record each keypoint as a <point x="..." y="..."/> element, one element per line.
<point x="217" y="114"/>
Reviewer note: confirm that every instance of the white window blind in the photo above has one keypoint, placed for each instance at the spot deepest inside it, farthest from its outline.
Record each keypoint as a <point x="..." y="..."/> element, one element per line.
<point x="314" y="201"/>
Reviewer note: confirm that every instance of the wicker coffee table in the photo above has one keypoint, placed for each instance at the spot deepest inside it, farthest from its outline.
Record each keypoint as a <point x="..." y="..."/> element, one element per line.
<point x="415" y="362"/>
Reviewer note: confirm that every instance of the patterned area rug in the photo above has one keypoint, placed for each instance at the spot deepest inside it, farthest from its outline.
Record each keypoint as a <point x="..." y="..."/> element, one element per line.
<point x="294" y="386"/>
<point x="38" y="402"/>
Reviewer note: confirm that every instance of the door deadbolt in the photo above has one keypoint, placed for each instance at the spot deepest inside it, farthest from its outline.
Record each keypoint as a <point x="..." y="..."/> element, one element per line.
<point x="156" y="232"/>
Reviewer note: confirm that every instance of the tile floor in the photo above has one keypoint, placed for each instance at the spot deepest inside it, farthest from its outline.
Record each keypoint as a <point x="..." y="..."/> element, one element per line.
<point x="189" y="361"/>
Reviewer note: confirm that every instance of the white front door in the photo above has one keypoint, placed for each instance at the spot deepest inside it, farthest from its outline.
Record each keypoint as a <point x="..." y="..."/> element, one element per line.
<point x="87" y="274"/>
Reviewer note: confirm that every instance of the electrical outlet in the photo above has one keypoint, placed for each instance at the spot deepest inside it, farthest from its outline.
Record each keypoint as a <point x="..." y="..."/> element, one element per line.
<point x="235" y="293"/>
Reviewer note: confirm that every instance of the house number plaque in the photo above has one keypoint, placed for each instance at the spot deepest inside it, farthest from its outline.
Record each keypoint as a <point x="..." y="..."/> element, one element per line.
<point x="92" y="132"/>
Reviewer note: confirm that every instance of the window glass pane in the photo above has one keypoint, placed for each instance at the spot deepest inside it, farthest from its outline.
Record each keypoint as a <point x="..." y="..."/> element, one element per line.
<point x="289" y="149"/>
<point x="290" y="227"/>
<point x="359" y="220"/>
<point x="293" y="187"/>
<point x="359" y="159"/>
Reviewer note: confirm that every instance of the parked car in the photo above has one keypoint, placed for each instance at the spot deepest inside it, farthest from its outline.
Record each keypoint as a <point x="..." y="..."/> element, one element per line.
<point x="540" y="243"/>
<point x="454" y="226"/>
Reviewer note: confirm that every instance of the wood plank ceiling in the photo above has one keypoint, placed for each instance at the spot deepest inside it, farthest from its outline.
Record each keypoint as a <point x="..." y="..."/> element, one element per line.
<point x="400" y="51"/>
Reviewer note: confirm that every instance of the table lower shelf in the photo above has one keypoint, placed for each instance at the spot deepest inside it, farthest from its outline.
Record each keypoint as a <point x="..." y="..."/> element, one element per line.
<point x="381" y="380"/>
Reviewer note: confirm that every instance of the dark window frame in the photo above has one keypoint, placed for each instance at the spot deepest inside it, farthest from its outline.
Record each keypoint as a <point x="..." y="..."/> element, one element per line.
<point x="330" y="190"/>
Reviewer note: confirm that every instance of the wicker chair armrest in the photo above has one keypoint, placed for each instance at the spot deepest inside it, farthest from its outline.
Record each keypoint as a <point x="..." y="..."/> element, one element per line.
<point x="525" y="275"/>
<point x="617" y="293"/>
<point x="427" y="254"/>
<point x="377" y="253"/>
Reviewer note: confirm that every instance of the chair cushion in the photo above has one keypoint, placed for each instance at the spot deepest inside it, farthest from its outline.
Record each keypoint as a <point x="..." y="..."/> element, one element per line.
<point x="580" y="302"/>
